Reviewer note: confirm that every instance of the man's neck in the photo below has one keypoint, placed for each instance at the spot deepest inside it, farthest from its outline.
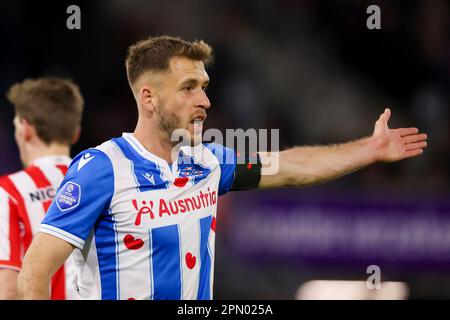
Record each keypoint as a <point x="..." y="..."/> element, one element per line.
<point x="34" y="153"/>
<point x="156" y="142"/>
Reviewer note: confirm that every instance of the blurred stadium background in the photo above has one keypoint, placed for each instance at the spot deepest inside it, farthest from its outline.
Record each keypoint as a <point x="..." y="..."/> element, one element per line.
<point x="309" y="68"/>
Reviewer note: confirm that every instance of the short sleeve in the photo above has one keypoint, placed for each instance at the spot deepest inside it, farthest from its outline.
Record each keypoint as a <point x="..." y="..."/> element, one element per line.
<point x="227" y="161"/>
<point x="84" y="194"/>
<point x="10" y="240"/>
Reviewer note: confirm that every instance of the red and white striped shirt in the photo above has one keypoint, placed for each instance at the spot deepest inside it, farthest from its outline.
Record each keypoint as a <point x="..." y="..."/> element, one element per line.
<point x="24" y="199"/>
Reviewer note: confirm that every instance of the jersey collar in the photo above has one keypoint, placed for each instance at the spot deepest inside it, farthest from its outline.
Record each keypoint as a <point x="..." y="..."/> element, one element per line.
<point x="52" y="160"/>
<point x="139" y="148"/>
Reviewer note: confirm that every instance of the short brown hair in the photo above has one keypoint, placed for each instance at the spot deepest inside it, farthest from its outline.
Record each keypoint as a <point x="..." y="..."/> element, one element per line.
<point x="154" y="53"/>
<point x="54" y="107"/>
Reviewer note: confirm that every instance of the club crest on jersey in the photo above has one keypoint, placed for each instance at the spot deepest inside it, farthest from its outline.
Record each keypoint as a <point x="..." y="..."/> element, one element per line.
<point x="188" y="168"/>
<point x="69" y="196"/>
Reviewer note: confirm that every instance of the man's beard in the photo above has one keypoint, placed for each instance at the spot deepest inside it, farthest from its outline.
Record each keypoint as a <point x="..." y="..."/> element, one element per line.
<point x="169" y="122"/>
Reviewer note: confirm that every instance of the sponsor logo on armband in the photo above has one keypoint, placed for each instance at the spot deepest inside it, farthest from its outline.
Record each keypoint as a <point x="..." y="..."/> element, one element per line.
<point x="69" y="196"/>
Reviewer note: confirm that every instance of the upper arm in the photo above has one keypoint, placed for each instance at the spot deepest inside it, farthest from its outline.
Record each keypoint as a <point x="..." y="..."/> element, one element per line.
<point x="45" y="256"/>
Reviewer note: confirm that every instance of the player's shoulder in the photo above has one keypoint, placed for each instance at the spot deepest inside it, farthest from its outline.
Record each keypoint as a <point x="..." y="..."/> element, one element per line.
<point x="7" y="179"/>
<point x="4" y="178"/>
<point x="223" y="154"/>
<point x="7" y="185"/>
<point x="90" y="153"/>
<point x="217" y="148"/>
<point x="4" y="182"/>
<point x="91" y="172"/>
<point x="93" y="160"/>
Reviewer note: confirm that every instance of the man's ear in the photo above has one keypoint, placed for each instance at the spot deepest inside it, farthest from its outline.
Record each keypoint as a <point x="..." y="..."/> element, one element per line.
<point x="76" y="135"/>
<point x="147" y="98"/>
<point x="27" y="129"/>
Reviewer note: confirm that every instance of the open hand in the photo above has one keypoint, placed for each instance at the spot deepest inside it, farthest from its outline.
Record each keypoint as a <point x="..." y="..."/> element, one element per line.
<point x="396" y="144"/>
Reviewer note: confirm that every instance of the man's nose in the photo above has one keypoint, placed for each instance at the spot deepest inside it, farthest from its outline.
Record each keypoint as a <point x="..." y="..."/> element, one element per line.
<point x="203" y="101"/>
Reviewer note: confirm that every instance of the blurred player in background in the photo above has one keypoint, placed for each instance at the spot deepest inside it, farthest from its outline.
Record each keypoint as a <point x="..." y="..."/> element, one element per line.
<point x="143" y="225"/>
<point x="47" y="122"/>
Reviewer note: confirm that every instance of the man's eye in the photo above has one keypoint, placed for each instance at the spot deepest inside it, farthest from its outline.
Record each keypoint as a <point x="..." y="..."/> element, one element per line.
<point x="189" y="88"/>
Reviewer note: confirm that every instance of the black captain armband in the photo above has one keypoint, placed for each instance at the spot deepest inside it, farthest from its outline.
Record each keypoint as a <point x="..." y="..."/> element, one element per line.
<point x="247" y="173"/>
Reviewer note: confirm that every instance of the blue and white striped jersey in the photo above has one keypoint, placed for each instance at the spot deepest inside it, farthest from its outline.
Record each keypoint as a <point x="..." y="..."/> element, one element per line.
<point x="144" y="229"/>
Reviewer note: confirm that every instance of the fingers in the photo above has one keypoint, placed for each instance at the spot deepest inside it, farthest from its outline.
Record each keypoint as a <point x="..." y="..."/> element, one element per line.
<point x="417" y="145"/>
<point x="414" y="138"/>
<point x="407" y="131"/>
<point x="413" y="153"/>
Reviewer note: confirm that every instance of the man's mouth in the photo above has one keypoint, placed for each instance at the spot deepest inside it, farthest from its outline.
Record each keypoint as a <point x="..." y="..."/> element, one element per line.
<point x="198" y="119"/>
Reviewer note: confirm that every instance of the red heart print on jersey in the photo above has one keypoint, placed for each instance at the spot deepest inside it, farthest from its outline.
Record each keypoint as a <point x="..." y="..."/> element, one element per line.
<point x="132" y="243"/>
<point x="190" y="260"/>
<point x="181" y="182"/>
<point x="213" y="224"/>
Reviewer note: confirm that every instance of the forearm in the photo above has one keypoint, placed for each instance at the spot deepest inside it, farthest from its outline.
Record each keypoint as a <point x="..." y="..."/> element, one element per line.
<point x="310" y="165"/>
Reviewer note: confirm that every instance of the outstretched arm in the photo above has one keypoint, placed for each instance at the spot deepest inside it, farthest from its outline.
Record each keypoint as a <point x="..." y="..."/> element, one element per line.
<point x="309" y="165"/>
<point x="44" y="257"/>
